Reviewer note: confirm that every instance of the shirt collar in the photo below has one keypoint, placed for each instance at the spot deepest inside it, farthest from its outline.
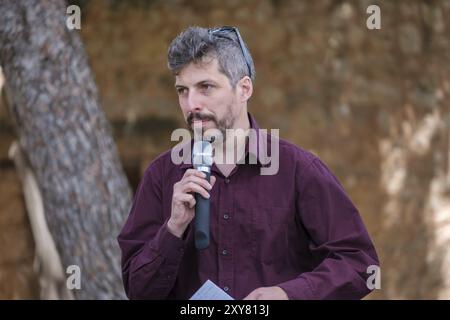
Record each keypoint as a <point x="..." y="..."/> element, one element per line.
<point x="254" y="143"/>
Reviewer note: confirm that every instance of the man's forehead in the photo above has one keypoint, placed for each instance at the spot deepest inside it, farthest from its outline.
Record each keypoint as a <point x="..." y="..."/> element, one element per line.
<point x="198" y="72"/>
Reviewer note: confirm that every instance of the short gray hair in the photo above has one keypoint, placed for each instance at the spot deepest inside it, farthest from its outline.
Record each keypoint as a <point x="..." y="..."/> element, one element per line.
<point x="195" y="44"/>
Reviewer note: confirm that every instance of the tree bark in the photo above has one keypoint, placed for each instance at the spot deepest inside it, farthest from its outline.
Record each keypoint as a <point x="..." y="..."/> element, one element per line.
<point x="67" y="140"/>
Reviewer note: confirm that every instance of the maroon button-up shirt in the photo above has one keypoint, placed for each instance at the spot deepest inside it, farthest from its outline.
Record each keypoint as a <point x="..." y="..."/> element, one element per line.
<point x="296" y="229"/>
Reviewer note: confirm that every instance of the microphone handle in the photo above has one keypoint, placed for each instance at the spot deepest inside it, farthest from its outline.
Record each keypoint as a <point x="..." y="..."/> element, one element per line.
<point x="202" y="219"/>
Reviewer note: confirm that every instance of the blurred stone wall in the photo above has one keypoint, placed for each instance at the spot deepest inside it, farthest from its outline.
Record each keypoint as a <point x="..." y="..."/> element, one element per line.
<point x="373" y="104"/>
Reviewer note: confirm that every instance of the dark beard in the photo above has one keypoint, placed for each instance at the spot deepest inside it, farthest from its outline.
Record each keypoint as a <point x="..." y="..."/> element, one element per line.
<point x="222" y="126"/>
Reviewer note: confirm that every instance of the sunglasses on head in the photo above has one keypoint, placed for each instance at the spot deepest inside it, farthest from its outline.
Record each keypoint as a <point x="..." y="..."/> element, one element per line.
<point x="224" y="32"/>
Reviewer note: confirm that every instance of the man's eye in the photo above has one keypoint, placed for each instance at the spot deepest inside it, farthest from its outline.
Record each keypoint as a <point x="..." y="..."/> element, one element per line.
<point x="206" y="87"/>
<point x="181" y="90"/>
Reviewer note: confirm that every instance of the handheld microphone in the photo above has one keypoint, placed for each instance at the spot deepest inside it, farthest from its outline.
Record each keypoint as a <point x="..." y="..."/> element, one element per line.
<point x="202" y="160"/>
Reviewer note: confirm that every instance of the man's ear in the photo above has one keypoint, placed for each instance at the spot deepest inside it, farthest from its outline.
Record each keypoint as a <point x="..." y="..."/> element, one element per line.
<point x="245" y="86"/>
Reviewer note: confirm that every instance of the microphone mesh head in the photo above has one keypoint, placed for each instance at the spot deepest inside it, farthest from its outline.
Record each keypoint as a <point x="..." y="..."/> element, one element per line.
<point x="202" y="154"/>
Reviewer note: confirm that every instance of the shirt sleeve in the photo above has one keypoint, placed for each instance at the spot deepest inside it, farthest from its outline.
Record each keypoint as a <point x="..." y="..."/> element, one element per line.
<point x="151" y="255"/>
<point x="339" y="242"/>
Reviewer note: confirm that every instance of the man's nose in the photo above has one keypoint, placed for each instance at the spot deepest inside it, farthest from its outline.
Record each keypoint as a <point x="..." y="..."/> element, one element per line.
<point x="194" y="102"/>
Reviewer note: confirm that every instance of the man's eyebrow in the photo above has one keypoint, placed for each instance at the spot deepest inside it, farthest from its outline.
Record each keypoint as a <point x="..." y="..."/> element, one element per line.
<point x="205" y="81"/>
<point x="177" y="85"/>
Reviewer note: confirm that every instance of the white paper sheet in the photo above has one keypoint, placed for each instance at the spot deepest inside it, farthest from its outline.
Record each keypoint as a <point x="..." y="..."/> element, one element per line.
<point x="210" y="291"/>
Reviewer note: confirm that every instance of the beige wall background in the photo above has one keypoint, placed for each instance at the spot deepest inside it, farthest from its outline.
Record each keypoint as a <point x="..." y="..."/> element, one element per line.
<point x="373" y="104"/>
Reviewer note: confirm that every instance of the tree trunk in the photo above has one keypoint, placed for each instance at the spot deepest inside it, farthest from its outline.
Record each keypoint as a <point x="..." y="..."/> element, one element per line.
<point x="47" y="262"/>
<point x="67" y="140"/>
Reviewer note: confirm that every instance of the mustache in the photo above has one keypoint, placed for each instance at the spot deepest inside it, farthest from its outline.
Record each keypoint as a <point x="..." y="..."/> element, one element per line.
<point x="198" y="116"/>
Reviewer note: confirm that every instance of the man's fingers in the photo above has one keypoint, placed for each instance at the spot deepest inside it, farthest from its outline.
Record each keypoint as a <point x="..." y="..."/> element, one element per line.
<point x="188" y="198"/>
<point x="200" y="181"/>
<point x="267" y="293"/>
<point x="194" y="172"/>
<point x="193" y="187"/>
<point x="194" y="181"/>
<point x="252" y="295"/>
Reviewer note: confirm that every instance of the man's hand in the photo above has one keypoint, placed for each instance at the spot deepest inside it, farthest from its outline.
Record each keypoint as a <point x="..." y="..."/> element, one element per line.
<point x="183" y="200"/>
<point x="267" y="293"/>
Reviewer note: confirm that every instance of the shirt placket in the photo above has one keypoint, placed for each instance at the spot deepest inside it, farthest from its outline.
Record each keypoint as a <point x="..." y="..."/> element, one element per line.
<point x="225" y="246"/>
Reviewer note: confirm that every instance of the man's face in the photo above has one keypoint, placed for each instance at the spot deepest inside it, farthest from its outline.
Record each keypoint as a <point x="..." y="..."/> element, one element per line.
<point x="207" y="98"/>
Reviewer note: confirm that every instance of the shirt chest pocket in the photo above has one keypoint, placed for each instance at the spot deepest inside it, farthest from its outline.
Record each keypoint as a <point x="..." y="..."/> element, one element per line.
<point x="270" y="233"/>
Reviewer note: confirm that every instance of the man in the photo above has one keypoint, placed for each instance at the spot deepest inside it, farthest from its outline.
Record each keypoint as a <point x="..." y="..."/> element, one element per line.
<point x="290" y="235"/>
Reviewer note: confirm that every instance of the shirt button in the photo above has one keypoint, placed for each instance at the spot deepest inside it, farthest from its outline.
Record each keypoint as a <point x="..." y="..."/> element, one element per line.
<point x="226" y="289"/>
<point x="224" y="252"/>
<point x="226" y="217"/>
<point x="227" y="181"/>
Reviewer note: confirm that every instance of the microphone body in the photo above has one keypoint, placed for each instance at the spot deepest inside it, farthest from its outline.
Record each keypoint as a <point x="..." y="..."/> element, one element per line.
<point x="202" y="218"/>
<point x="202" y="159"/>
